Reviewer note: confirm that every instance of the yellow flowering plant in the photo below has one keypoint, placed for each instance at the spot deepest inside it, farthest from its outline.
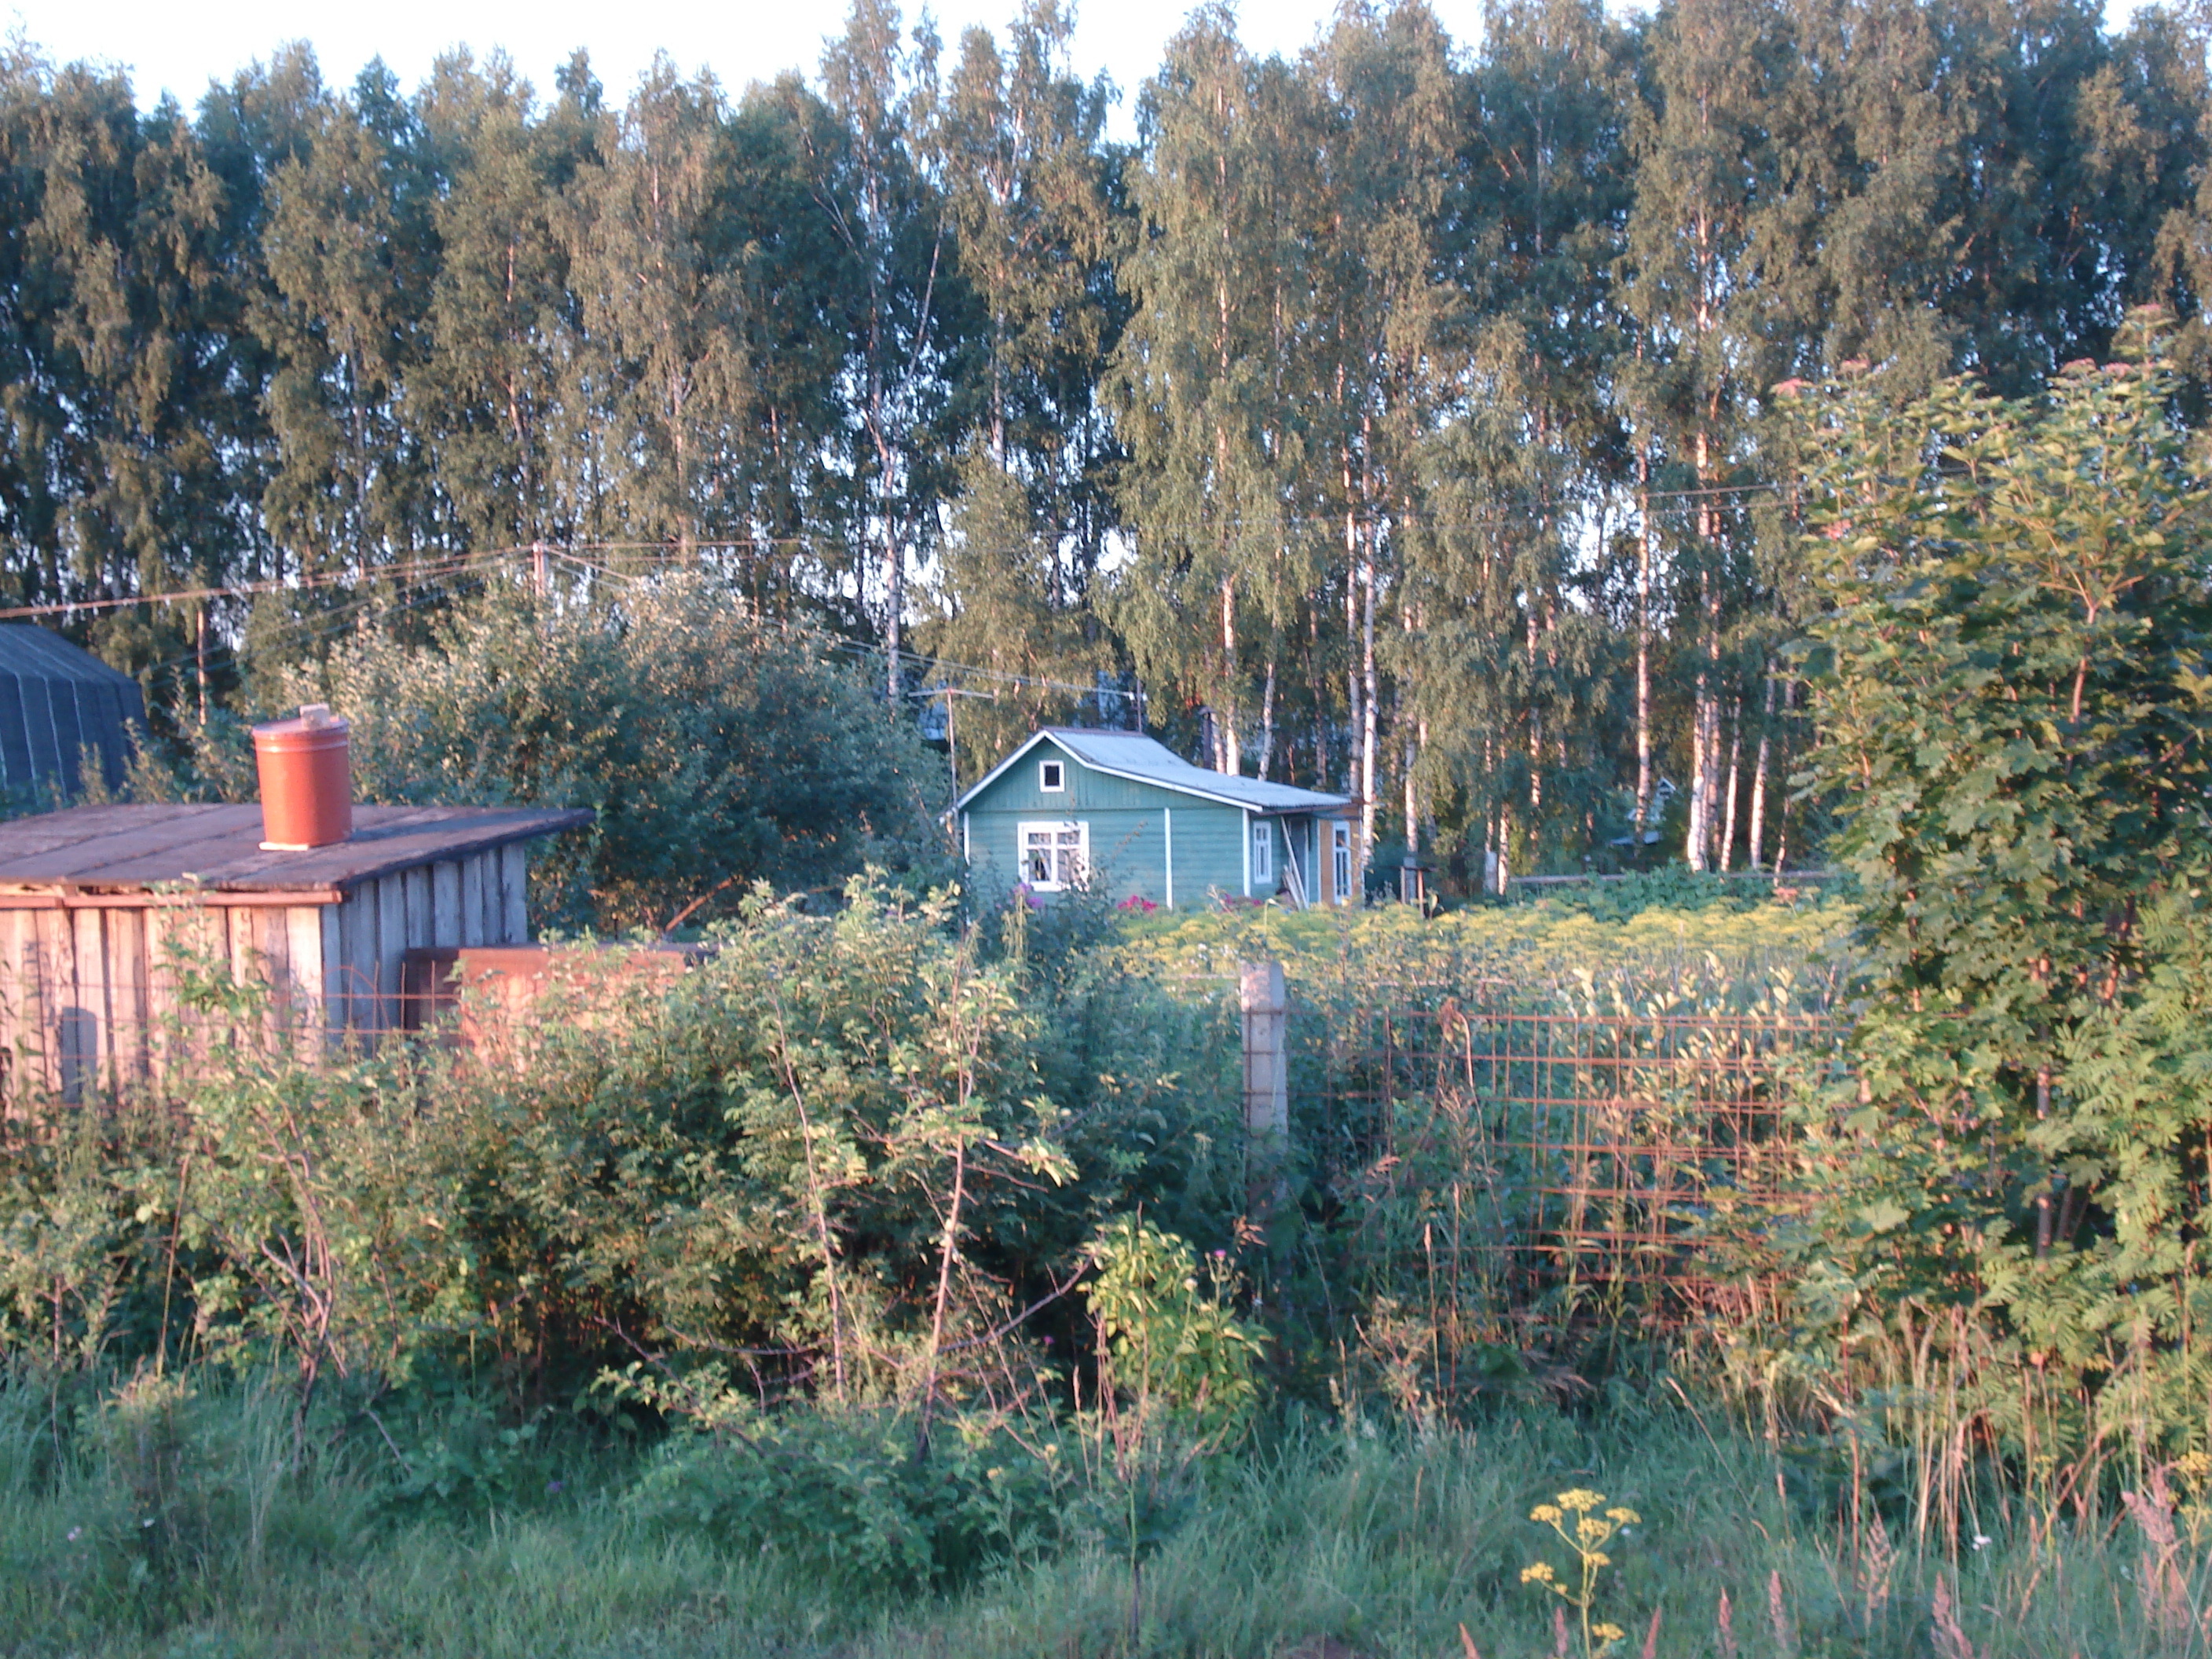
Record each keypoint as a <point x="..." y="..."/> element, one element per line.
<point x="1582" y="1523"/>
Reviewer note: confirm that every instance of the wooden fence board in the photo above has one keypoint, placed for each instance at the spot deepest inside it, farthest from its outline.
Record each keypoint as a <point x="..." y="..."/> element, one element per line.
<point x="392" y="935"/>
<point x="331" y="941"/>
<point x="22" y="974"/>
<point x="416" y="884"/>
<point x="85" y="1035"/>
<point x="303" y="955"/>
<point x="125" y="942"/>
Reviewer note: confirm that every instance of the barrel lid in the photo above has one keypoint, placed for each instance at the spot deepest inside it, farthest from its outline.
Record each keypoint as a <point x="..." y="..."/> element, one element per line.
<point x="313" y="719"/>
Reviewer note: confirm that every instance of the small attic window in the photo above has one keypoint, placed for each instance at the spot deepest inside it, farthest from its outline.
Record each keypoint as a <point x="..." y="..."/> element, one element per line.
<point x="1052" y="776"/>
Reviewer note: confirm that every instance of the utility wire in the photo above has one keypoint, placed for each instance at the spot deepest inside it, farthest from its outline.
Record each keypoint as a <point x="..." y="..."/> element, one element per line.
<point x="453" y="563"/>
<point x="861" y="647"/>
<point x="320" y="624"/>
<point x="435" y="570"/>
<point x="571" y="553"/>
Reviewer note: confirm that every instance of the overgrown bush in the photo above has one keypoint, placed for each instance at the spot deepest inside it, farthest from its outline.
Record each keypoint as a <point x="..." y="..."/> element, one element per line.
<point x="716" y="749"/>
<point x="843" y="1494"/>
<point x="880" y="1271"/>
<point x="851" y="1142"/>
<point x="1692" y="942"/>
<point x="2013" y="682"/>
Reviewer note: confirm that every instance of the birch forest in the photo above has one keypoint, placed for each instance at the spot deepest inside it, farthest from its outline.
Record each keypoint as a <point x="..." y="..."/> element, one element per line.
<point x="1395" y="419"/>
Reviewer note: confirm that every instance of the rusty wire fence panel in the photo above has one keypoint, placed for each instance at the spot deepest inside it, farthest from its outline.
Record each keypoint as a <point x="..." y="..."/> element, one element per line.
<point x="1528" y="1166"/>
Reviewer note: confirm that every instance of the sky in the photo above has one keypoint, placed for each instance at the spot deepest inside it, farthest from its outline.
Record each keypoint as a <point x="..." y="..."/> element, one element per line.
<point x="167" y="45"/>
<point x="179" y="46"/>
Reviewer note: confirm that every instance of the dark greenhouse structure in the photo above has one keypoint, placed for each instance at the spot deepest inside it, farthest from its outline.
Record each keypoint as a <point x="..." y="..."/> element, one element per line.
<point x="59" y="703"/>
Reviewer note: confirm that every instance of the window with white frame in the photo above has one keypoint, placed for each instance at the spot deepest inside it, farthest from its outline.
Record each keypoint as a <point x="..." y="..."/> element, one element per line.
<point x="1263" y="852"/>
<point x="1052" y="776"/>
<point x="1339" y="846"/>
<point x="1056" y="856"/>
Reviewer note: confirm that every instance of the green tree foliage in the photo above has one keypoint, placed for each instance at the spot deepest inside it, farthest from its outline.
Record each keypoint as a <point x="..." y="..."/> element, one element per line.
<point x="1175" y="1349"/>
<point x="350" y="257"/>
<point x="1220" y="286"/>
<point x="1017" y="141"/>
<point x="1001" y="581"/>
<point x="1382" y="378"/>
<point x="1396" y="416"/>
<point x="1504" y="660"/>
<point x="2010" y="685"/>
<point x="501" y="322"/>
<point x="715" y="751"/>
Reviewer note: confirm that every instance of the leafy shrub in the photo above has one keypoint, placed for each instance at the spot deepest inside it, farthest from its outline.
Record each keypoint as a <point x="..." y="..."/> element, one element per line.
<point x="451" y="1449"/>
<point x="1676" y="889"/>
<point x="1710" y="948"/>
<point x="1171" y="1346"/>
<point x="845" y="1494"/>
<point x="2011" y="692"/>
<point x="848" y="1138"/>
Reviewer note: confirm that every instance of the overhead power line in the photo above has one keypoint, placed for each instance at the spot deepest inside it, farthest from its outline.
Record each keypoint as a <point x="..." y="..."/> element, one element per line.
<point x="449" y="564"/>
<point x="444" y="567"/>
<point x="862" y="647"/>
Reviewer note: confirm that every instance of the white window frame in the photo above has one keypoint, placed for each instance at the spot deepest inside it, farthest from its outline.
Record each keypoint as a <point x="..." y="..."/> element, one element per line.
<point x="1055" y="829"/>
<point x="1046" y="770"/>
<point x="1263" y="851"/>
<point x="1339" y="859"/>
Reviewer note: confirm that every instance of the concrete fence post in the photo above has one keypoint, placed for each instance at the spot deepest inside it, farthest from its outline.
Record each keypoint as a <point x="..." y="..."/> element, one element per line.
<point x="1266" y="1007"/>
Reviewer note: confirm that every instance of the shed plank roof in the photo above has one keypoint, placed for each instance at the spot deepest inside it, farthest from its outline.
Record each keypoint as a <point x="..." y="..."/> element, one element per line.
<point x="219" y="847"/>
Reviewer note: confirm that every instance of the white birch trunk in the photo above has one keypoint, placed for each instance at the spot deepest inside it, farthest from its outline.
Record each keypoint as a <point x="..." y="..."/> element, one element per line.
<point x="1735" y="755"/>
<point x="1758" y="776"/>
<point x="1367" y="724"/>
<point x="1643" y="650"/>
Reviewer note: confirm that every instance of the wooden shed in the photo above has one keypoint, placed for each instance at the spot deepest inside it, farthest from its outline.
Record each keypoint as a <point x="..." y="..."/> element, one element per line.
<point x="101" y="907"/>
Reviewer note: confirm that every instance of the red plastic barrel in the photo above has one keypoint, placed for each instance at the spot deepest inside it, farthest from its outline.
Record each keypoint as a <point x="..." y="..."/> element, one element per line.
<point x="307" y="780"/>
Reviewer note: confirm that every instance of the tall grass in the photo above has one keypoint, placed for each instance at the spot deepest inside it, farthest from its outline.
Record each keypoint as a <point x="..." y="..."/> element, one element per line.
<point x="186" y="1521"/>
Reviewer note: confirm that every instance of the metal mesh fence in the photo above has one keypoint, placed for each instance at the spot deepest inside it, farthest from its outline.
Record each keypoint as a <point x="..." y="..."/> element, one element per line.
<point x="1527" y="1166"/>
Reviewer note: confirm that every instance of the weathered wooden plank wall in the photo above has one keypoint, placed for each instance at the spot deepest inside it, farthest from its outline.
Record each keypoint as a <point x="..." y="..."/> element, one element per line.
<point x="479" y="900"/>
<point x="91" y="993"/>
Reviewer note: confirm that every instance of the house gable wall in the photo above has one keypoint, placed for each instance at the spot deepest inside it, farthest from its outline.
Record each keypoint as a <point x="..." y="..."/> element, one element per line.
<point x="1130" y="824"/>
<point x="1087" y="791"/>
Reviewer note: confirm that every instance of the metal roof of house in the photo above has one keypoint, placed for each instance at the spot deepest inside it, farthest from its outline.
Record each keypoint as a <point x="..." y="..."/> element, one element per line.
<point x="56" y="699"/>
<point x="1144" y="760"/>
<point x="120" y="849"/>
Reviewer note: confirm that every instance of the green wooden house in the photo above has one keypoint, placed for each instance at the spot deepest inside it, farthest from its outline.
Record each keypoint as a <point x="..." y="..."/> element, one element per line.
<point x="1121" y="811"/>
